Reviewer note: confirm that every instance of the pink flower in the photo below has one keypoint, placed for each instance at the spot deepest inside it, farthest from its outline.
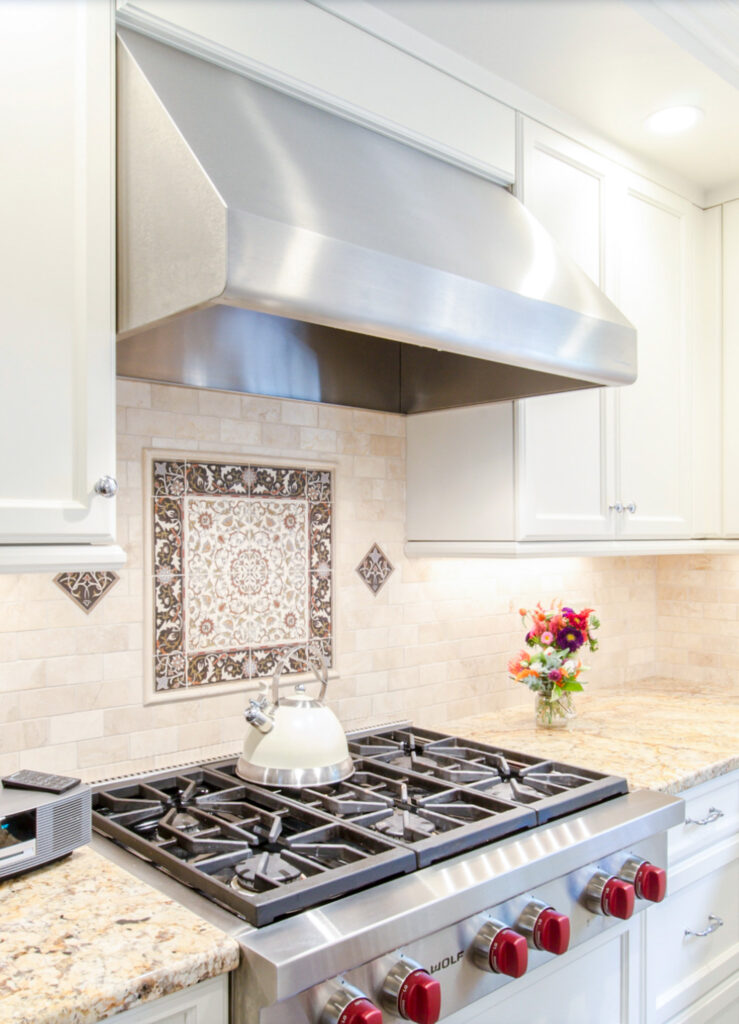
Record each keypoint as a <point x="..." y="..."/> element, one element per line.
<point x="555" y="675"/>
<point x="547" y="638"/>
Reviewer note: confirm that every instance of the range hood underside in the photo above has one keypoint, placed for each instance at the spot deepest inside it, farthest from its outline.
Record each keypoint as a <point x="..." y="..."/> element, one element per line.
<point x="232" y="349"/>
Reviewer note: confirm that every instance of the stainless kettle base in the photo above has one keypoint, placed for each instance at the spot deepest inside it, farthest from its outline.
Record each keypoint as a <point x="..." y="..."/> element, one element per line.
<point x="294" y="778"/>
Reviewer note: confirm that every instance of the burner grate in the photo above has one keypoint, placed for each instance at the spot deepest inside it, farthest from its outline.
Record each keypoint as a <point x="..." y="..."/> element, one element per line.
<point x="416" y="796"/>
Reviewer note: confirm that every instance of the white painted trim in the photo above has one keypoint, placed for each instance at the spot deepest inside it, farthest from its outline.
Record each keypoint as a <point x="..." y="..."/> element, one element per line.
<point x="722" y="194"/>
<point x="232" y="60"/>
<point x="566" y="549"/>
<point x="60" y="557"/>
<point x="381" y="25"/>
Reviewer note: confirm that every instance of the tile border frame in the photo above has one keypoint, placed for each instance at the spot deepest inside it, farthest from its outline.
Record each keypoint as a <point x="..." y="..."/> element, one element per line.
<point x="150" y="695"/>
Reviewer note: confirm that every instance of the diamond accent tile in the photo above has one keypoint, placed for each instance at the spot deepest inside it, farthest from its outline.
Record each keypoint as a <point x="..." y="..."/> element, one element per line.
<point x="375" y="569"/>
<point x="86" y="588"/>
<point x="241" y="568"/>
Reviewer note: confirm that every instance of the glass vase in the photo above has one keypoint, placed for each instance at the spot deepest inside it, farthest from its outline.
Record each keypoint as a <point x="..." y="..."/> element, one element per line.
<point x="554" y="710"/>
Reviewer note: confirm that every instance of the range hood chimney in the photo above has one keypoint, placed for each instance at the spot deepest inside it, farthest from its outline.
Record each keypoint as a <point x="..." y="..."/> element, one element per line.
<point x="271" y="247"/>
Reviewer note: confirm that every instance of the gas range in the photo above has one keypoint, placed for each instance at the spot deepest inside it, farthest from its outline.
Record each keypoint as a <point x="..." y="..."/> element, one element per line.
<point x="437" y="872"/>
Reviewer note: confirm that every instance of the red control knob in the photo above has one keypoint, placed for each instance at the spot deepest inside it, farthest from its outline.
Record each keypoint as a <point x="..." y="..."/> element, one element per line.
<point x="360" y="1011"/>
<point x="552" y="931"/>
<point x="650" y="882"/>
<point x="617" y="899"/>
<point x="509" y="953"/>
<point x="419" y="998"/>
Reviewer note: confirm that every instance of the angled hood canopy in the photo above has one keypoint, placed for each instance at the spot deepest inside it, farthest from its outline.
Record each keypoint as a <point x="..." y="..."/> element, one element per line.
<point x="318" y="259"/>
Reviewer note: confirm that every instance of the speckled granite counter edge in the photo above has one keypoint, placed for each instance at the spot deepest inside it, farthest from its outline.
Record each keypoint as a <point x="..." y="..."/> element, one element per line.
<point x="82" y="940"/>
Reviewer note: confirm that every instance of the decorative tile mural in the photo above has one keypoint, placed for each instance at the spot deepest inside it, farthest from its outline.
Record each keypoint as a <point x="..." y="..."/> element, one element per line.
<point x="375" y="569"/>
<point x="242" y="569"/>
<point x="86" y="588"/>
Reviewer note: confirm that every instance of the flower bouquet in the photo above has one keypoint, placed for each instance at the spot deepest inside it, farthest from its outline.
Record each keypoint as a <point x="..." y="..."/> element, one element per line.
<point x="551" y="665"/>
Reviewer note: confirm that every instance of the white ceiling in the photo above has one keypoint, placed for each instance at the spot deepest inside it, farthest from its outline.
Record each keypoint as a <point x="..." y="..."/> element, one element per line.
<point x="610" y="63"/>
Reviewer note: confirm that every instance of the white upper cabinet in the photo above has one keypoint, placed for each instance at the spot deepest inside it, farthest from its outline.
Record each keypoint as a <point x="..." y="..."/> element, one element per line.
<point x="632" y="477"/>
<point x="635" y="463"/>
<point x="656" y="291"/>
<point x="314" y="53"/>
<point x="57" y="397"/>
<point x="568" y="189"/>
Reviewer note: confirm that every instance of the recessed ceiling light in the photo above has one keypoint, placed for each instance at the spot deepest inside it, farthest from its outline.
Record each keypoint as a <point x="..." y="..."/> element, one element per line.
<point x="674" y="119"/>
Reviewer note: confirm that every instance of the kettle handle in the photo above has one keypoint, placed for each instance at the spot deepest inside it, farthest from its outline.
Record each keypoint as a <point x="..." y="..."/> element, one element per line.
<point x="317" y="661"/>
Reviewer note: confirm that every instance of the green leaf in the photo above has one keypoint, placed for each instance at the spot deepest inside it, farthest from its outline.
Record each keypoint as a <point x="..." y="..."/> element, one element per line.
<point x="572" y="687"/>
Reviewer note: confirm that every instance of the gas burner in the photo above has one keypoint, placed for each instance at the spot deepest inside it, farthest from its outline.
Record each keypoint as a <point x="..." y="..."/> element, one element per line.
<point x="406" y="825"/>
<point x="184" y="822"/>
<point x="264" y="871"/>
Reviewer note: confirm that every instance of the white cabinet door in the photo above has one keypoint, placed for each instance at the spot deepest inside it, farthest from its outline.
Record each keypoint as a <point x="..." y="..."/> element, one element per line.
<point x="731" y="367"/>
<point x="206" y="1003"/>
<point x="57" y="395"/>
<point x="655" y="290"/>
<point x="564" y="442"/>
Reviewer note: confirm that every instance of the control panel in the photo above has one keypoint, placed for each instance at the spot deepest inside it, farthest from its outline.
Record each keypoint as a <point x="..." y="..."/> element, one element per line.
<point x="439" y="974"/>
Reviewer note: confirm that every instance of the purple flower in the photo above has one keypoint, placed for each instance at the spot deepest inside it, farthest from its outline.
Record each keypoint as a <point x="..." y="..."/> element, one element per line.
<point x="568" y="611"/>
<point x="570" y="638"/>
<point x="556" y="675"/>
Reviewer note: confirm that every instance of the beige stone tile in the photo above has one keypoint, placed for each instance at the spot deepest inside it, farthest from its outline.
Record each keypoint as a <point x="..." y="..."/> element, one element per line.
<point x="300" y="414"/>
<point x="78" y="668"/>
<point x="170" y="398"/>
<point x="266" y="410"/>
<point x="60" y="757"/>
<point x="224" y="404"/>
<point x="80" y="725"/>
<point x="133" y="393"/>
<point x="242" y="432"/>
<point x="281" y="436"/>
<point x="103" y="751"/>
<point x="314" y="439"/>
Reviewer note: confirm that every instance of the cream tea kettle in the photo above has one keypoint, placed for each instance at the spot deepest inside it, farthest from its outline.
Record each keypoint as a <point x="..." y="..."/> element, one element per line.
<point x="294" y="741"/>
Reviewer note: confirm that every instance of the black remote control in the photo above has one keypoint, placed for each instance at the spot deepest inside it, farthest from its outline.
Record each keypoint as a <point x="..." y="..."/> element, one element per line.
<point x="26" y="779"/>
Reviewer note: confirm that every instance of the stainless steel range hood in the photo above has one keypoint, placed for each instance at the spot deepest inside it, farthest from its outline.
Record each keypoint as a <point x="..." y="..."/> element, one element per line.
<point x="269" y="246"/>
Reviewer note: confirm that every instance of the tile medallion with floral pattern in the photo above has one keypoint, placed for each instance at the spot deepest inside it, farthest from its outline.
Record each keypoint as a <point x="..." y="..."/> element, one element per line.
<point x="242" y="559"/>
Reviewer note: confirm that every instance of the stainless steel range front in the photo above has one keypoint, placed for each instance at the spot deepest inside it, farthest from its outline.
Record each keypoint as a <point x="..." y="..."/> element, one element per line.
<point x="441" y="870"/>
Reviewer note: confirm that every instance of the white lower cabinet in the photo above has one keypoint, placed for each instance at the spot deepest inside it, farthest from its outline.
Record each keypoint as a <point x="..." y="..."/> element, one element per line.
<point x="206" y="1003"/>
<point x="691" y="966"/>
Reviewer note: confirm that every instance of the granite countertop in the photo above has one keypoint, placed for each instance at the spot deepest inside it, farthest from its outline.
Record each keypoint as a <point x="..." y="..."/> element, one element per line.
<point x="658" y="734"/>
<point x="81" y="940"/>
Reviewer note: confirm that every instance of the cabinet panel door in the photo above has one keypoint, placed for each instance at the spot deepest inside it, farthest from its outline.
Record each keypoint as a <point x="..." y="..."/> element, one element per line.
<point x="681" y="967"/>
<point x="57" y="399"/>
<point x="564" y="442"/>
<point x="205" y="1003"/>
<point x="655" y="291"/>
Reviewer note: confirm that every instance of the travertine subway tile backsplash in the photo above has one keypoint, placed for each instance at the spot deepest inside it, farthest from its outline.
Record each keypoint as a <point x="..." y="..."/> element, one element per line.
<point x="432" y="644"/>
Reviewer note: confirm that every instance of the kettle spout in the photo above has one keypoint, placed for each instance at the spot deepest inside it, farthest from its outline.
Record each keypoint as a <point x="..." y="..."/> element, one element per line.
<point x="256" y="717"/>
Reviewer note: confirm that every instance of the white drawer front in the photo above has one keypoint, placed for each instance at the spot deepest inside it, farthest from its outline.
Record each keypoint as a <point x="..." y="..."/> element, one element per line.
<point x="711" y="813"/>
<point x="682" y="967"/>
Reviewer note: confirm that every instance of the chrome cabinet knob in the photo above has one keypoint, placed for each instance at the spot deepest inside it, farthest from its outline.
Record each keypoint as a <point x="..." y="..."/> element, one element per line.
<point x="631" y="507"/>
<point x="107" y="487"/>
<point x="616" y="507"/>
